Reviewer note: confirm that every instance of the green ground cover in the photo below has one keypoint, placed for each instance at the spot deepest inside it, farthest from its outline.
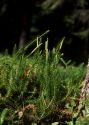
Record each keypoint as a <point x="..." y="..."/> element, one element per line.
<point x="39" y="88"/>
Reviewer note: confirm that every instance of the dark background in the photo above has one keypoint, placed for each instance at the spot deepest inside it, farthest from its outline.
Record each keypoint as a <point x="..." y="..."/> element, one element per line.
<point x="22" y="20"/>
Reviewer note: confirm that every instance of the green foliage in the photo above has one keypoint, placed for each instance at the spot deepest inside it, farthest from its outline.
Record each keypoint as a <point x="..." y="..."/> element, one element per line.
<point x="31" y="86"/>
<point x="83" y="121"/>
<point x="3" y="116"/>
